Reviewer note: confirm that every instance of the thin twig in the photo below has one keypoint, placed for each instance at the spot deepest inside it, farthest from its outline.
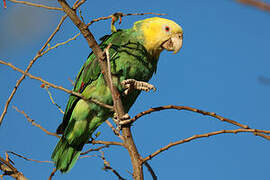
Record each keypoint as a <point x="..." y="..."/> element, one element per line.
<point x="35" y="124"/>
<point x="56" y="87"/>
<point x="154" y="176"/>
<point x="29" y="67"/>
<point x="54" y="134"/>
<point x="117" y="133"/>
<point x="94" y="149"/>
<point x="107" y="166"/>
<point x="122" y="15"/>
<point x="197" y="137"/>
<point x="256" y="3"/>
<point x="52" y="173"/>
<point x="28" y="159"/>
<point x="107" y="142"/>
<point x="46" y="87"/>
<point x="75" y="6"/>
<point x="36" y="5"/>
<point x="78" y="3"/>
<point x="60" y="44"/>
<point x="10" y="170"/>
<point x="186" y="108"/>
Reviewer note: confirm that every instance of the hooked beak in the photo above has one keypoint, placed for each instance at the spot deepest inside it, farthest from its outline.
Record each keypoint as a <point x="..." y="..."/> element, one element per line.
<point x="174" y="43"/>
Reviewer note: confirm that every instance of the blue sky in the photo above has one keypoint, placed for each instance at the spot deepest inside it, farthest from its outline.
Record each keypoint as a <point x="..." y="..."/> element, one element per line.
<point x="225" y="51"/>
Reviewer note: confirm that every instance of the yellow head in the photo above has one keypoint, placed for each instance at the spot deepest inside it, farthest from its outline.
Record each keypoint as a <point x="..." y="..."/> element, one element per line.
<point x="159" y="33"/>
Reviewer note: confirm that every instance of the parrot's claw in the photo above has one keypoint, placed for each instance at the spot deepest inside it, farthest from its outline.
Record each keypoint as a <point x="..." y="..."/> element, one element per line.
<point x="118" y="122"/>
<point x="131" y="84"/>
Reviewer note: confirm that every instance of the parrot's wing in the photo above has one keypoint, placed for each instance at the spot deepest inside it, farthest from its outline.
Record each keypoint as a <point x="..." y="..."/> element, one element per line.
<point x="89" y="72"/>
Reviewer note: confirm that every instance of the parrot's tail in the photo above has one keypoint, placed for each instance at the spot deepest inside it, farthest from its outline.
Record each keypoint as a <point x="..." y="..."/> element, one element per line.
<point x="65" y="155"/>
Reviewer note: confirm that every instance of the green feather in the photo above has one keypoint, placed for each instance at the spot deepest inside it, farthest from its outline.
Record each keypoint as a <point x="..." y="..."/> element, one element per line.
<point x="129" y="60"/>
<point x="64" y="155"/>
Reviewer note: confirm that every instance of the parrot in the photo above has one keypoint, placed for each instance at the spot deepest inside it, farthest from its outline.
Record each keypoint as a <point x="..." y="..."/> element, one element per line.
<point x="134" y="55"/>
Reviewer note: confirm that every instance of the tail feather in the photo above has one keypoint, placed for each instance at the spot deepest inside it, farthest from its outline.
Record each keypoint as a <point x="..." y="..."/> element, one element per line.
<point x="65" y="155"/>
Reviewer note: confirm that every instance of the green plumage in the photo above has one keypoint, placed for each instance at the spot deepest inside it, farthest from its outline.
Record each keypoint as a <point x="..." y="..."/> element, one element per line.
<point x="133" y="55"/>
<point x="129" y="60"/>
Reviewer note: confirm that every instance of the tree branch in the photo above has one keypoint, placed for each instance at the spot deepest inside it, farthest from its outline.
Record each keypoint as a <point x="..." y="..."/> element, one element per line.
<point x="107" y="166"/>
<point x="10" y="170"/>
<point x="46" y="87"/>
<point x="27" y="159"/>
<point x="212" y="114"/>
<point x="107" y="142"/>
<point x="94" y="149"/>
<point x="36" y="5"/>
<point x="35" y="124"/>
<point x="29" y="67"/>
<point x="52" y="173"/>
<point x="122" y="15"/>
<point x="117" y="133"/>
<point x="254" y="131"/>
<point x="55" y="86"/>
<point x="75" y="6"/>
<point x="154" y="176"/>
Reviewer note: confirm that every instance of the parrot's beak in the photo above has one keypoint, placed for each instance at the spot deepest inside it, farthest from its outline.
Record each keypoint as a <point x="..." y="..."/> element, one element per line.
<point x="174" y="43"/>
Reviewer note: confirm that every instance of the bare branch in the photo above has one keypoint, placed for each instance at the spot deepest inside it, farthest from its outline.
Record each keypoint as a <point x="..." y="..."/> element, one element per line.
<point x="262" y="135"/>
<point x="186" y="108"/>
<point x="197" y="137"/>
<point x="52" y="173"/>
<point x="117" y="133"/>
<point x="75" y="6"/>
<point x="10" y="170"/>
<point x="35" y="124"/>
<point x="122" y="15"/>
<point x="46" y="87"/>
<point x="36" y="5"/>
<point x="256" y="3"/>
<point x="29" y="67"/>
<point x="154" y="176"/>
<point x="28" y="159"/>
<point x="95" y="149"/>
<point x="107" y="142"/>
<point x="54" y="134"/>
<point x="107" y="166"/>
<point x="212" y="114"/>
<point x="60" y="44"/>
<point x="55" y="86"/>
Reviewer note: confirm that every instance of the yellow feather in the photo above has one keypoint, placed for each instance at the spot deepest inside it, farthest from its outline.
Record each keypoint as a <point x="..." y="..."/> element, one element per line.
<point x="154" y="32"/>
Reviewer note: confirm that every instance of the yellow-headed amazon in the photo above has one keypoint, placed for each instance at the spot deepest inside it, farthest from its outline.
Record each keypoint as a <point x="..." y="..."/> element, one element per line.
<point x="133" y="55"/>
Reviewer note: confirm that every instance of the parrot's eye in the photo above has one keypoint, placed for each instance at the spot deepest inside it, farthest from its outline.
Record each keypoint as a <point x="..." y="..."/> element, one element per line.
<point x="167" y="28"/>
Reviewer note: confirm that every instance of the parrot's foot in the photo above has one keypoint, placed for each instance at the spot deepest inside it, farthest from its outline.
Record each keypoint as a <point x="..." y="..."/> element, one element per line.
<point x="131" y="84"/>
<point x="118" y="123"/>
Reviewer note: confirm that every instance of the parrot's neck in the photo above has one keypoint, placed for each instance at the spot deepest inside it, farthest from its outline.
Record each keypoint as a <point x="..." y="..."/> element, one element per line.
<point x="152" y="49"/>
